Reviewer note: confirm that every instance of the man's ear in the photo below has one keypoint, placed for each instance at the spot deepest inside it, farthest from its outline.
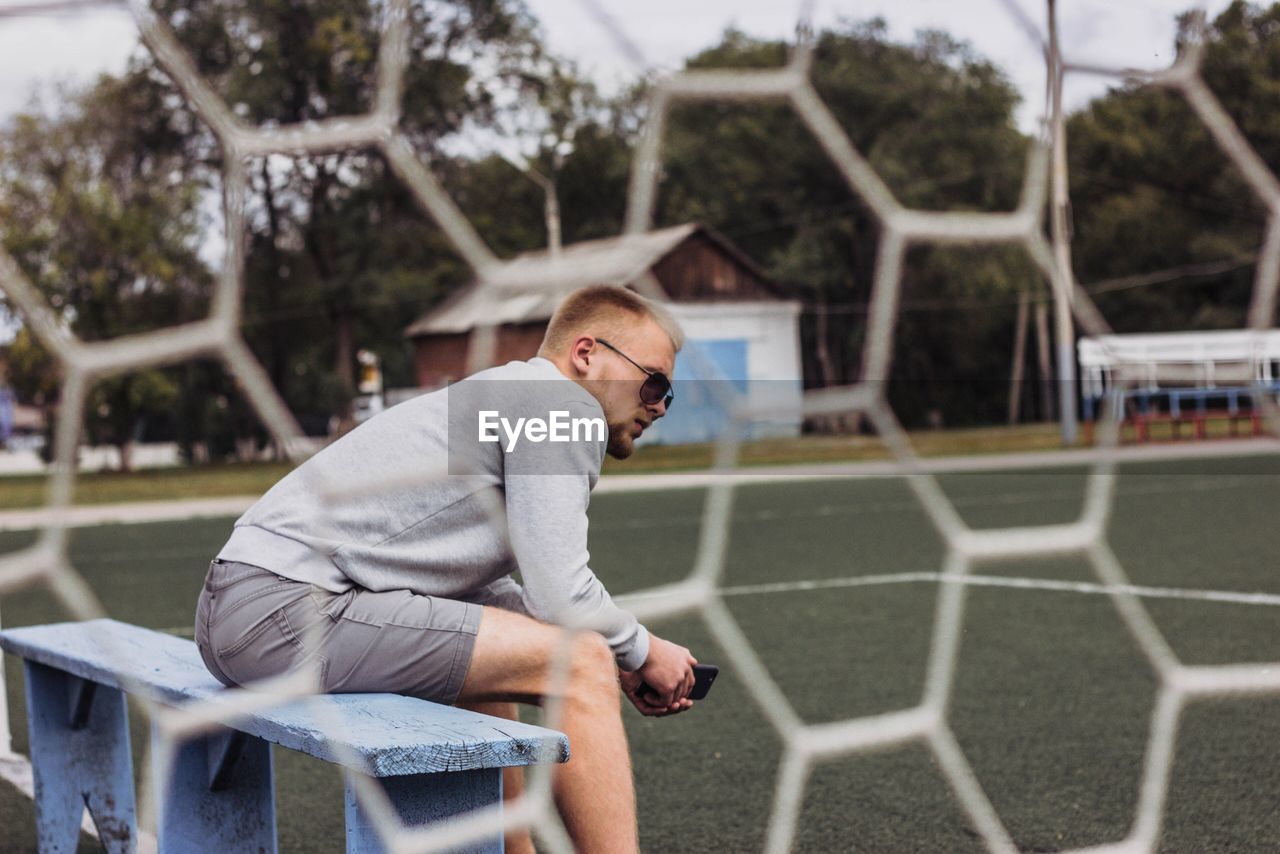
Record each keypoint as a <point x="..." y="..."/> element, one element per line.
<point x="580" y="353"/>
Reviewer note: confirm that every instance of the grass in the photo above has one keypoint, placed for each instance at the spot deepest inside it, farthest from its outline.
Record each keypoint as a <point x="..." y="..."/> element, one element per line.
<point x="1051" y="700"/>
<point x="830" y="449"/>
<point x="164" y="484"/>
<point x="208" y="481"/>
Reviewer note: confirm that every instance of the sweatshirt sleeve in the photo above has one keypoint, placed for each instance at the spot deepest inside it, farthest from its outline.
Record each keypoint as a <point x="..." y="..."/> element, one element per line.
<point x="547" y="526"/>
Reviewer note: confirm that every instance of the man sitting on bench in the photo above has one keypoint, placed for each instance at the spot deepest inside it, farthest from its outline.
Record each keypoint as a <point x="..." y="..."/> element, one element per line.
<point x="407" y="588"/>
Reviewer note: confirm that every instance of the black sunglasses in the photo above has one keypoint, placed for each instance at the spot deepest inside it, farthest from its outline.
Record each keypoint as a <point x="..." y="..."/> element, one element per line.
<point x="656" y="388"/>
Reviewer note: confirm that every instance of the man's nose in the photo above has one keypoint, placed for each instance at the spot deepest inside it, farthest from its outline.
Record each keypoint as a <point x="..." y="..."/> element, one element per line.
<point x="657" y="410"/>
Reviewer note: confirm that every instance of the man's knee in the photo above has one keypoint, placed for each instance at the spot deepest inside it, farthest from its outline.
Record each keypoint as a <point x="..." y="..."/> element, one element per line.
<point x="515" y="658"/>
<point x="592" y="668"/>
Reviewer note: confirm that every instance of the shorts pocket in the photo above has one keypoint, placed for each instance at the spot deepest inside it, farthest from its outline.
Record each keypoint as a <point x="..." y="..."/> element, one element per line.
<point x="269" y="649"/>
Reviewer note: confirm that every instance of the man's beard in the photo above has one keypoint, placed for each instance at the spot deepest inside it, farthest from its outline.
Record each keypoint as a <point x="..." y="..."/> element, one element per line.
<point x="621" y="445"/>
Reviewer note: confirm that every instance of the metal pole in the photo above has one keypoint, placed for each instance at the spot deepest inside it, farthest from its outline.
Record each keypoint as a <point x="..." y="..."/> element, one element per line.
<point x="1065" y="331"/>
<point x="6" y="737"/>
<point x="1019" y="357"/>
<point x="1044" y="362"/>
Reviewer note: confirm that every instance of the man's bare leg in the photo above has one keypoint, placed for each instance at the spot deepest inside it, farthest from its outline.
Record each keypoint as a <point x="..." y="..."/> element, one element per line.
<point x="594" y="790"/>
<point x="516" y="841"/>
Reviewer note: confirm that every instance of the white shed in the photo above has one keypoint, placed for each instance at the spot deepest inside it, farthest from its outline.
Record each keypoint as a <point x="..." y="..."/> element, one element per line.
<point x="742" y="335"/>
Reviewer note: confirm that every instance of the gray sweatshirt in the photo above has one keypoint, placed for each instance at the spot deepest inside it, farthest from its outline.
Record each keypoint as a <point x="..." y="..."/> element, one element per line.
<point x="412" y="500"/>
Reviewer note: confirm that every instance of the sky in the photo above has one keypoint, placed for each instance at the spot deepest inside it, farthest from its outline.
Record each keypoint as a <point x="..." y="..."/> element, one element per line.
<point x="75" y="46"/>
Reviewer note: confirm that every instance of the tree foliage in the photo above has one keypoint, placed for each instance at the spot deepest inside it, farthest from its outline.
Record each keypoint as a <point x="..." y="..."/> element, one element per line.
<point x="1151" y="191"/>
<point x="340" y="257"/>
<point x="101" y="211"/>
<point x="104" y="200"/>
<point x="339" y="254"/>
<point x="936" y="123"/>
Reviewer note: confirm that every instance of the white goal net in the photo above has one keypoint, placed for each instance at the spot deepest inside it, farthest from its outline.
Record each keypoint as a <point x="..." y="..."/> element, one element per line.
<point x="1037" y="225"/>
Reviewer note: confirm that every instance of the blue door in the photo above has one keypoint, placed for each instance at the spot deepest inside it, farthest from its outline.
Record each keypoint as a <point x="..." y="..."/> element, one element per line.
<point x="705" y="383"/>
<point x="6" y="415"/>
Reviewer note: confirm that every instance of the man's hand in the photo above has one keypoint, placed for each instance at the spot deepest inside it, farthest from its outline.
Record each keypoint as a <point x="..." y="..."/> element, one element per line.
<point x="646" y="703"/>
<point x="668" y="671"/>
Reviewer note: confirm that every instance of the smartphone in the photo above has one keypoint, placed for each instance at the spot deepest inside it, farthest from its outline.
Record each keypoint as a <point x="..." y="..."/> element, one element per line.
<point x="703" y="676"/>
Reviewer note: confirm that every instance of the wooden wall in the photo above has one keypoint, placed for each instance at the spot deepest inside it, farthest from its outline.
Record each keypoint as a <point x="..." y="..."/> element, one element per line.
<point x="440" y="359"/>
<point x="699" y="270"/>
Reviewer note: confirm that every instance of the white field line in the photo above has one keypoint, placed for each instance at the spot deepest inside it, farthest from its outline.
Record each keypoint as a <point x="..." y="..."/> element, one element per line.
<point x="135" y="511"/>
<point x="1031" y="462"/>
<point x="163" y="511"/>
<point x="1131" y="486"/>
<point x="16" y="769"/>
<point x="1087" y="587"/>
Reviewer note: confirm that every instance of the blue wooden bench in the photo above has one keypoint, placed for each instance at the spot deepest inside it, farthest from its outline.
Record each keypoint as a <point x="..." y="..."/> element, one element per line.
<point x="433" y="761"/>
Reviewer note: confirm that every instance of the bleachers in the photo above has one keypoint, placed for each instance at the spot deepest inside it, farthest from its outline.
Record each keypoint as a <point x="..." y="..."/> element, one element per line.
<point x="1182" y="379"/>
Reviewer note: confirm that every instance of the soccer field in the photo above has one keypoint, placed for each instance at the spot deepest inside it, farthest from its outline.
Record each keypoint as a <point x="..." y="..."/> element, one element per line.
<point x="835" y="584"/>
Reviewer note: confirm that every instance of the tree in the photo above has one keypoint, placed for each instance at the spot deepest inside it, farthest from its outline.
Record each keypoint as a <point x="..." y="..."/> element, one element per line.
<point x="339" y="254"/>
<point x="1152" y="192"/>
<point x="590" y="185"/>
<point x="33" y="373"/>
<point x="101" y="212"/>
<point x="936" y="122"/>
<point x="557" y="103"/>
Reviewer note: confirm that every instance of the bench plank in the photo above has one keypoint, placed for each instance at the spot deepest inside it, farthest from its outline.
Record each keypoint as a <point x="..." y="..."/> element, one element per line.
<point x="386" y="735"/>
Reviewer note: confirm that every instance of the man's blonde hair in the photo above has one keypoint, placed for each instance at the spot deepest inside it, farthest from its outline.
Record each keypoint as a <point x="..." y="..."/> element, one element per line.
<point x="604" y="311"/>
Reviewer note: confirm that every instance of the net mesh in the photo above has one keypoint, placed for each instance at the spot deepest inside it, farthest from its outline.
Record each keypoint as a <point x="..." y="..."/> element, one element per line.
<point x="702" y="592"/>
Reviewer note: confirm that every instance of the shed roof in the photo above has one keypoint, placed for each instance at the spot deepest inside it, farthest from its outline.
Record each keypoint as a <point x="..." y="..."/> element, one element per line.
<point x="529" y="287"/>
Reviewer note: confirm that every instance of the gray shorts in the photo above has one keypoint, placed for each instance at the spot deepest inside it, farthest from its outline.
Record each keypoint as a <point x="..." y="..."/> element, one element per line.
<point x="252" y="624"/>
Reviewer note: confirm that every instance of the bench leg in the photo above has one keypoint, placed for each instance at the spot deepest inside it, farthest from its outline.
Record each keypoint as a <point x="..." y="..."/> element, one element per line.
<point x="424" y="798"/>
<point x="80" y="758"/>
<point x="219" y="796"/>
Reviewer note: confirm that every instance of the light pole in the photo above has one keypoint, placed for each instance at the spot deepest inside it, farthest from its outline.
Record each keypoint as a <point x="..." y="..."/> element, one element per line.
<point x="1059" y="228"/>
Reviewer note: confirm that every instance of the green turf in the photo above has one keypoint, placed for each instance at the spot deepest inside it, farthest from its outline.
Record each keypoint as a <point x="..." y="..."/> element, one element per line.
<point x="1051" y="700"/>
